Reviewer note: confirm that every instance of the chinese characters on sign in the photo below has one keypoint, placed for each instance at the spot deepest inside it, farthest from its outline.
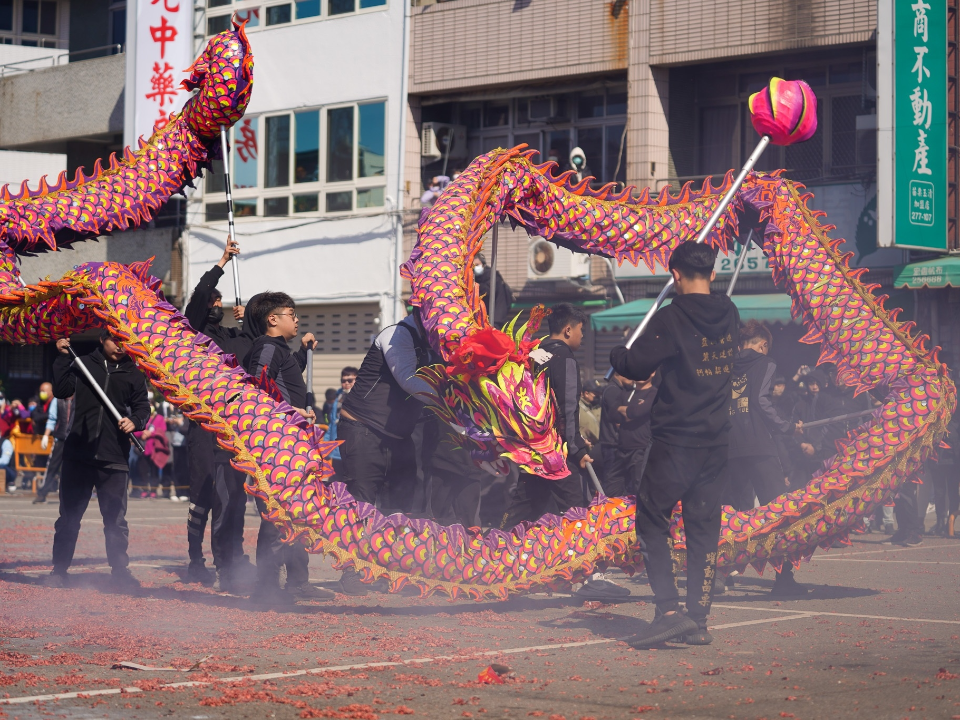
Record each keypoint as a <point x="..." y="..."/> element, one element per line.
<point x="164" y="49"/>
<point x="920" y="116"/>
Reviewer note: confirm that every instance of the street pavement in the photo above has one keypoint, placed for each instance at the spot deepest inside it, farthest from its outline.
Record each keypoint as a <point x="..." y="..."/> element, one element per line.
<point x="877" y="638"/>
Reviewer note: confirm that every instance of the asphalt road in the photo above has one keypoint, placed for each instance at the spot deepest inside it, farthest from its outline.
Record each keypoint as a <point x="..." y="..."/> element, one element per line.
<point x="878" y="638"/>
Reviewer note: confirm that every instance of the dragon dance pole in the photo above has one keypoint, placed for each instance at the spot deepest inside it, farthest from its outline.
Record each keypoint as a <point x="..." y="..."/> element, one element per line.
<point x="594" y="479"/>
<point x="311" y="398"/>
<point x="839" y="418"/>
<point x="751" y="161"/>
<point x="103" y="396"/>
<point x="740" y="262"/>
<point x="231" y="232"/>
<point x="493" y="272"/>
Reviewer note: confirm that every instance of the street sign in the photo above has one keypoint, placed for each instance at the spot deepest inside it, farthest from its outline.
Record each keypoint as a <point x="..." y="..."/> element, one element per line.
<point x="920" y="124"/>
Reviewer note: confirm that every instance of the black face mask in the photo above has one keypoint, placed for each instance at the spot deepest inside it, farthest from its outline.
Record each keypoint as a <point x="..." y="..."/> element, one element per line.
<point x="215" y="315"/>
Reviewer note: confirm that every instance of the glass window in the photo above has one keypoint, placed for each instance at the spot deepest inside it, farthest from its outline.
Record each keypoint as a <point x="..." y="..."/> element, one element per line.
<point x="339" y="201"/>
<point x="754" y="82"/>
<point x="244" y="208"/>
<point x="118" y="26"/>
<point x="278" y="151"/>
<point x="718" y="134"/>
<point x="531" y="139"/>
<point x="590" y="140"/>
<point x="541" y="108"/>
<point x="844" y="137"/>
<point x="279" y="14"/>
<point x="306" y="203"/>
<point x="616" y="156"/>
<point x="370" y="197"/>
<point x="804" y="161"/>
<point x="217" y="3"/>
<point x="30" y="22"/>
<point x="245" y="156"/>
<point x="213" y="178"/>
<point x="251" y="16"/>
<point x="523" y="112"/>
<point x="215" y="212"/>
<point x="218" y="24"/>
<point x="338" y="7"/>
<point x="617" y="103"/>
<point x="48" y="18"/>
<point x="492" y="142"/>
<point x="29" y="43"/>
<point x="307" y="147"/>
<point x="496" y="114"/>
<point x="813" y="77"/>
<point x="308" y="9"/>
<point x="371" y="150"/>
<point x="470" y="116"/>
<point x="274" y="207"/>
<point x="371" y="3"/>
<point x="6" y="15"/>
<point x="590" y="106"/>
<point x="558" y="149"/>
<point x="339" y="146"/>
<point x="846" y="73"/>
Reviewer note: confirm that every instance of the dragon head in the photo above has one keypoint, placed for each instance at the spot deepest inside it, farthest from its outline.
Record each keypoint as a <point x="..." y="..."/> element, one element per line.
<point x="499" y="405"/>
<point x="223" y="74"/>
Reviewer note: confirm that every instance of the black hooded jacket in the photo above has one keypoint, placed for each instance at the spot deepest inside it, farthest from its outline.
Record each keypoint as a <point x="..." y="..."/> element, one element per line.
<point x="693" y="341"/>
<point x="504" y="298"/>
<point x="94" y="437"/>
<point x="564" y="375"/>
<point x="755" y="423"/>
<point x="235" y="341"/>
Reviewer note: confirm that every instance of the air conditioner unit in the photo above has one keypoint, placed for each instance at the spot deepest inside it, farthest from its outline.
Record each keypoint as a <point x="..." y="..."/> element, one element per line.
<point x="434" y="138"/>
<point x="546" y="261"/>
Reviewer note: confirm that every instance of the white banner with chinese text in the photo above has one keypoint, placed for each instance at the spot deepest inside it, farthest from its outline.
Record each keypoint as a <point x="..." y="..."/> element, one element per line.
<point x="159" y="50"/>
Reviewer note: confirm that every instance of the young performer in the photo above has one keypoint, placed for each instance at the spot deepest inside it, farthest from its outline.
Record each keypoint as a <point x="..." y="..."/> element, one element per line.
<point x="693" y="342"/>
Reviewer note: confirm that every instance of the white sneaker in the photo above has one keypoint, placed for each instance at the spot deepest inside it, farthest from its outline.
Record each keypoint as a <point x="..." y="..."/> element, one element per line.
<point x="11" y="488"/>
<point x="184" y="498"/>
<point x="174" y="498"/>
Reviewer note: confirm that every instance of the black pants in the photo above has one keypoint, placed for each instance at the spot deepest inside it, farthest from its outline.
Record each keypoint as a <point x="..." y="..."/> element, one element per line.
<point x="694" y="476"/>
<point x="946" y="490"/>
<point x="272" y="552"/>
<point x="76" y="487"/>
<point x="908" y="514"/>
<point x="215" y="486"/>
<point x="760" y="475"/>
<point x="627" y="470"/>
<point x="51" y="479"/>
<point x="454" y="482"/>
<point x="535" y="496"/>
<point x="370" y="457"/>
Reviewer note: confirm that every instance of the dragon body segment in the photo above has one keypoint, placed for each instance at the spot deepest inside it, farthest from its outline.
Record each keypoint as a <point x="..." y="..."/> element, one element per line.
<point x="488" y="389"/>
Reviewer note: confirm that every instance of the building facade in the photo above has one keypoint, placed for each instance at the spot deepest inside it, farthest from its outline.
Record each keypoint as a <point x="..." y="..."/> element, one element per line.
<point x="655" y="94"/>
<point x="315" y="170"/>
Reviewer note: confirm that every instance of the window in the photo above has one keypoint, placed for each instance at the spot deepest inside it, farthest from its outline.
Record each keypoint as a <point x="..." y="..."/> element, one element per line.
<point x="118" y="26"/>
<point x="32" y="23"/>
<point x="321" y="160"/>
<point x="277" y="14"/>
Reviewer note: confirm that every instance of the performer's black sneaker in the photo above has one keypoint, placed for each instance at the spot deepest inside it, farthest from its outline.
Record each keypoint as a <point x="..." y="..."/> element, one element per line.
<point x="912" y="541"/>
<point x="198" y="572"/>
<point x="310" y="592"/>
<point x="701" y="636"/>
<point x="597" y="587"/>
<point x="350" y="584"/>
<point x="663" y="628"/>
<point x="56" y="579"/>
<point x="896" y="539"/>
<point x="786" y="587"/>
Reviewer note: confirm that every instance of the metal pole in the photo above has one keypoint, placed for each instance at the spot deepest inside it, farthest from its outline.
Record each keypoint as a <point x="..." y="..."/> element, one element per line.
<point x="103" y="396"/>
<point x="739" y="267"/>
<point x="493" y="273"/>
<point x="311" y="399"/>
<point x="839" y="418"/>
<point x="231" y="232"/>
<point x="748" y="166"/>
<point x="593" y="476"/>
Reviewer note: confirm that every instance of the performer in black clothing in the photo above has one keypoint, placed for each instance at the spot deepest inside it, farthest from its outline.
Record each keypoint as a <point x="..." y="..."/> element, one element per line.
<point x="277" y="314"/>
<point x="754" y="464"/>
<point x="96" y="451"/>
<point x="61" y="413"/>
<point x="376" y="424"/>
<point x="633" y="445"/>
<point x="504" y="297"/>
<point x="215" y="486"/>
<point x="693" y="341"/>
<point x="613" y="406"/>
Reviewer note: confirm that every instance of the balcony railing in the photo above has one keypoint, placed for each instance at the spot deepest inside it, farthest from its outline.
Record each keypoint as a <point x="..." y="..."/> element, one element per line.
<point x="43" y="63"/>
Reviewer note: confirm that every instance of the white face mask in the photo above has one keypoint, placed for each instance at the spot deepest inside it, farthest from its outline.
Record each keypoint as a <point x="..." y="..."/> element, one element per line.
<point x="478" y="270"/>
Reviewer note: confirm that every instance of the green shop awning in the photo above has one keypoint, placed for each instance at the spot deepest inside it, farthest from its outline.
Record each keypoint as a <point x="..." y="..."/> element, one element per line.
<point x="937" y="273"/>
<point x="769" y="308"/>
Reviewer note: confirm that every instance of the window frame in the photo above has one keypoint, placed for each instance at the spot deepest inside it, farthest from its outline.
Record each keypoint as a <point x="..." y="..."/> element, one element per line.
<point x="261" y="6"/>
<point x="16" y="36"/>
<point x="320" y="187"/>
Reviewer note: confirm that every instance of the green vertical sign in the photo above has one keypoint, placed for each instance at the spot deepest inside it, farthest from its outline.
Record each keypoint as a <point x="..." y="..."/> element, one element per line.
<point x="920" y="124"/>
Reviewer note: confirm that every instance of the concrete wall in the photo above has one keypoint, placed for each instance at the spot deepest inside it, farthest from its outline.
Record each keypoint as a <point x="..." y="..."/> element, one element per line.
<point x="34" y="109"/>
<point x="475" y="43"/>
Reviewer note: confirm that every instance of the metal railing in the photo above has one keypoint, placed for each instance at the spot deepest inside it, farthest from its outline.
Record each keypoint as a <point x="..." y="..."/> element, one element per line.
<point x="55" y="60"/>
